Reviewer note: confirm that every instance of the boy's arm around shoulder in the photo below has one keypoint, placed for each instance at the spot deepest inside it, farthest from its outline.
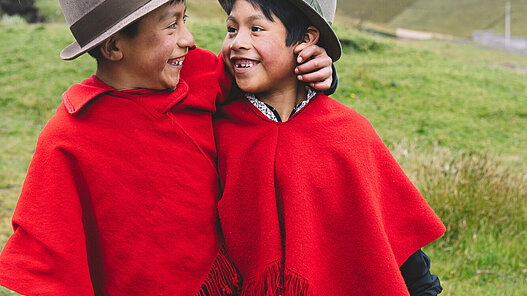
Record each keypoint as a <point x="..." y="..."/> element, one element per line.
<point x="47" y="254"/>
<point x="205" y="72"/>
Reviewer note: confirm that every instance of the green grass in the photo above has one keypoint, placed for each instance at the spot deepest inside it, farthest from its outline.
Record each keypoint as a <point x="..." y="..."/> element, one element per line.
<point x="375" y="10"/>
<point x="453" y="114"/>
<point x="437" y="99"/>
<point x="50" y="9"/>
<point x="461" y="17"/>
<point x="482" y="203"/>
<point x="453" y="17"/>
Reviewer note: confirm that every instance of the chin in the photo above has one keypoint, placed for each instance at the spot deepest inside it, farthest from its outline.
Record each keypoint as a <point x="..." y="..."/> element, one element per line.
<point x="248" y="87"/>
<point x="172" y="83"/>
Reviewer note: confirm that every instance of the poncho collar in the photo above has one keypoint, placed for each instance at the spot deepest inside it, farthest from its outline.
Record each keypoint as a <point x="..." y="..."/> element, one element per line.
<point x="271" y="113"/>
<point x="79" y="95"/>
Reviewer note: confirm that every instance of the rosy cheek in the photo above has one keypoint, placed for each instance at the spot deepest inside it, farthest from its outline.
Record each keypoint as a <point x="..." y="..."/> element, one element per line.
<point x="163" y="44"/>
<point x="268" y="49"/>
<point x="276" y="54"/>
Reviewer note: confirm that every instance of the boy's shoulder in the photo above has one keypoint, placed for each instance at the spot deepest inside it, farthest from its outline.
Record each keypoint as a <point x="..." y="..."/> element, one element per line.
<point x="79" y="95"/>
<point x="338" y="114"/>
<point x="74" y="119"/>
<point x="199" y="59"/>
<point x="205" y="72"/>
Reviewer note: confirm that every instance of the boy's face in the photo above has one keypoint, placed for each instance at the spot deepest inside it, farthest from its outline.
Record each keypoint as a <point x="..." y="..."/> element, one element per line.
<point x="255" y="50"/>
<point x="154" y="57"/>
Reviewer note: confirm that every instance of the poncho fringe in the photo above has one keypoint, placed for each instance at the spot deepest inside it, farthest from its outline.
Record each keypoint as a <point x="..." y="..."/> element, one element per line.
<point x="269" y="283"/>
<point x="222" y="279"/>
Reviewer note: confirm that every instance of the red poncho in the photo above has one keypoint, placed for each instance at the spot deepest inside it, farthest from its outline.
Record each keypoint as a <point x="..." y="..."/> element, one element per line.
<point x="120" y="197"/>
<point x="316" y="205"/>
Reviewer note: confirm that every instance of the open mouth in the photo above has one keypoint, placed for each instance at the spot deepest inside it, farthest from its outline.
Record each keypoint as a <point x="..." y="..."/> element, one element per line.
<point x="244" y="64"/>
<point x="178" y="62"/>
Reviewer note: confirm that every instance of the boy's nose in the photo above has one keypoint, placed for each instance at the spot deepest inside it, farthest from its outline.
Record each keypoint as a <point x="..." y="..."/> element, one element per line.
<point x="186" y="39"/>
<point x="239" y="42"/>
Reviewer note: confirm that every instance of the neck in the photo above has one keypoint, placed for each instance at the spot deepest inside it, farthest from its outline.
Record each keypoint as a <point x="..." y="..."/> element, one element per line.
<point x="106" y="74"/>
<point x="284" y="100"/>
<point x="114" y="76"/>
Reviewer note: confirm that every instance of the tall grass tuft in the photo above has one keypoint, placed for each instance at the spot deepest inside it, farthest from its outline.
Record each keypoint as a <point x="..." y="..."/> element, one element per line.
<point x="483" y="204"/>
<point x="468" y="190"/>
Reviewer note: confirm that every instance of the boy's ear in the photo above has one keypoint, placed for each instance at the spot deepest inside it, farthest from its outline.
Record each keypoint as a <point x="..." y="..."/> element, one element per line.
<point x="110" y="48"/>
<point x="311" y="37"/>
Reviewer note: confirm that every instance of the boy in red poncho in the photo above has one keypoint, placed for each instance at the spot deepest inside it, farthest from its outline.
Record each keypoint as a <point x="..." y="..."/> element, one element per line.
<point x="313" y="202"/>
<point x="121" y="194"/>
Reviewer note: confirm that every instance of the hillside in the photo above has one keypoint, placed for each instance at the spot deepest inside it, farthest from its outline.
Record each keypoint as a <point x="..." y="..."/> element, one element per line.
<point x="454" y="17"/>
<point x="461" y="17"/>
<point x="381" y="11"/>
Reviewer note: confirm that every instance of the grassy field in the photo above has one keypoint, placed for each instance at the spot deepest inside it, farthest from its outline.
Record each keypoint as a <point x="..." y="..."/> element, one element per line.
<point x="461" y="17"/>
<point x="375" y="10"/>
<point x="453" y="17"/>
<point x="453" y="114"/>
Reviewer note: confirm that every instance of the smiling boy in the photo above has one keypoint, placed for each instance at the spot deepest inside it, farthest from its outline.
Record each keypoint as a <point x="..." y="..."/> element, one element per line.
<point x="313" y="202"/>
<point x="120" y="197"/>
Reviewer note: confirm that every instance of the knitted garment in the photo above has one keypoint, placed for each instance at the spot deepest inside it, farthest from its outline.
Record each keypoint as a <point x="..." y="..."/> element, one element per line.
<point x="316" y="205"/>
<point x="121" y="194"/>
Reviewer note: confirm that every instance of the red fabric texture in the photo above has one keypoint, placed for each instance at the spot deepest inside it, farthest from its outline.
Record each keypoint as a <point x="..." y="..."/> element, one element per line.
<point x="316" y="205"/>
<point x="120" y="196"/>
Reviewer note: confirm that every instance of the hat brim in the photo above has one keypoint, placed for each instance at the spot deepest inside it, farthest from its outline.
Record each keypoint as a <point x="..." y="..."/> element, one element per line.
<point x="328" y="37"/>
<point x="74" y="50"/>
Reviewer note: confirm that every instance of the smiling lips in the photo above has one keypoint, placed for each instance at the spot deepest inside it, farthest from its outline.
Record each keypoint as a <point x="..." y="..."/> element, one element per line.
<point x="178" y="62"/>
<point x="243" y="65"/>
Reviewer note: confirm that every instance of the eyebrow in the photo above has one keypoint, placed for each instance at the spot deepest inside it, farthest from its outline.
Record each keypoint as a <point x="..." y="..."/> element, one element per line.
<point x="251" y="18"/>
<point x="169" y="14"/>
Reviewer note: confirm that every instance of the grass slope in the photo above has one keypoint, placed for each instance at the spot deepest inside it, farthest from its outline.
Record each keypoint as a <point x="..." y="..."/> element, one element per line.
<point x="374" y="10"/>
<point x="461" y="17"/>
<point x="454" y="116"/>
<point x="437" y="99"/>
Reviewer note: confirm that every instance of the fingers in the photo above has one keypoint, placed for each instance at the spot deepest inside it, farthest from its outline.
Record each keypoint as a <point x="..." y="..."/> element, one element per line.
<point x="314" y="64"/>
<point x="306" y="53"/>
<point x="320" y="86"/>
<point x="319" y="80"/>
<point x="315" y="67"/>
<point x="316" y="76"/>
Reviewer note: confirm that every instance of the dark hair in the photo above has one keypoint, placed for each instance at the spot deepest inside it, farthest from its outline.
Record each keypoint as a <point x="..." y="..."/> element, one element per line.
<point x="295" y="22"/>
<point x="130" y="31"/>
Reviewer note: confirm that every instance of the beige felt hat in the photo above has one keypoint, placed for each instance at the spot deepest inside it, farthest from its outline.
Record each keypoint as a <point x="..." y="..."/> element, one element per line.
<point x="321" y="13"/>
<point x="92" y="21"/>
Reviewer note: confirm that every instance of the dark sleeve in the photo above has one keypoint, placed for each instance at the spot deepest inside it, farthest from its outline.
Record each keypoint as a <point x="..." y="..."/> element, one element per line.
<point x="417" y="276"/>
<point x="334" y="83"/>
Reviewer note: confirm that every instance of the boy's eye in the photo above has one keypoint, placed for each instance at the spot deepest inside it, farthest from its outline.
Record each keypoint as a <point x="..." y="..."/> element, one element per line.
<point x="257" y="29"/>
<point x="231" y="29"/>
<point x="174" y="24"/>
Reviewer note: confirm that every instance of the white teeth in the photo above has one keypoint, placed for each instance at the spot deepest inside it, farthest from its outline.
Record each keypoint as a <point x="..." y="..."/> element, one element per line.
<point x="178" y="63"/>
<point x="245" y="65"/>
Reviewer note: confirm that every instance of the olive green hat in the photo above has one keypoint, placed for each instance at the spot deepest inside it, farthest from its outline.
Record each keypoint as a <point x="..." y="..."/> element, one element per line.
<point x="321" y="14"/>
